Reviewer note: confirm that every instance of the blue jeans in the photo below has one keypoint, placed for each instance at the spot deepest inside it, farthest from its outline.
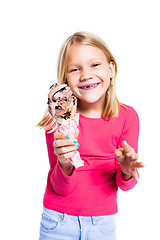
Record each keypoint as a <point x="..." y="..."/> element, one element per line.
<point x="58" y="226"/>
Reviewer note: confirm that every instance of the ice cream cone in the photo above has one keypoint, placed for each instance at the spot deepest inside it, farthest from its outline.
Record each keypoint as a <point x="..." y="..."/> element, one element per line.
<point x="62" y="105"/>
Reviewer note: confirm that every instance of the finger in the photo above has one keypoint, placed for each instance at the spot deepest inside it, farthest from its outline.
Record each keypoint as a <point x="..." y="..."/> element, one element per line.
<point x="56" y="152"/>
<point x="119" y="154"/>
<point x="66" y="156"/>
<point x="135" y="174"/>
<point x="65" y="142"/>
<point x="119" y="151"/>
<point x="134" y="156"/>
<point x="127" y="148"/>
<point x="64" y="150"/>
<point x="131" y="156"/>
<point x="138" y="165"/>
<point x="59" y="135"/>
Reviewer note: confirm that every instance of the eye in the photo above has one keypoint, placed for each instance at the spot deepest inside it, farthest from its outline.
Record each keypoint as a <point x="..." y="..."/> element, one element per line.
<point x="95" y="64"/>
<point x="74" y="70"/>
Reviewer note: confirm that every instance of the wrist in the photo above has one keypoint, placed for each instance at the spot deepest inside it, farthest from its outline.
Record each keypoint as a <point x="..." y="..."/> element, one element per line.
<point x="67" y="167"/>
<point x="126" y="176"/>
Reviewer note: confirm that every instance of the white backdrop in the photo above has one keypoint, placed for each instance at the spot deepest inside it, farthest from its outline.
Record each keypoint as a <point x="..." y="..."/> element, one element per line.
<point x="32" y="33"/>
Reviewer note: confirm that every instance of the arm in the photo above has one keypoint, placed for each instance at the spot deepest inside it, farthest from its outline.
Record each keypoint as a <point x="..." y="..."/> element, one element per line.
<point x="62" y="182"/>
<point x="126" y="157"/>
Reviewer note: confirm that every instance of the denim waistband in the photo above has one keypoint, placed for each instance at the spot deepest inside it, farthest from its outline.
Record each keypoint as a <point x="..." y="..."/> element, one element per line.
<point x="93" y="219"/>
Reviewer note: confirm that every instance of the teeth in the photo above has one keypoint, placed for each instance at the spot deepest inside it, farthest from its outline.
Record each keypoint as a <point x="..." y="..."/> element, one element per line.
<point x="90" y="86"/>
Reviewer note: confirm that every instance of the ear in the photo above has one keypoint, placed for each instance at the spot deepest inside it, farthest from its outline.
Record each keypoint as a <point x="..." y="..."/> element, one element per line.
<point x="112" y="69"/>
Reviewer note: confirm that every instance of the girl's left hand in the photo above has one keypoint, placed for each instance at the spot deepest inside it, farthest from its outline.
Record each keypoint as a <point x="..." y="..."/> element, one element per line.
<point x="128" y="161"/>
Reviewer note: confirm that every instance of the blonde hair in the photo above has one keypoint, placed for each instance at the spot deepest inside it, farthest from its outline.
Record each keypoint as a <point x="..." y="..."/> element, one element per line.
<point x="112" y="104"/>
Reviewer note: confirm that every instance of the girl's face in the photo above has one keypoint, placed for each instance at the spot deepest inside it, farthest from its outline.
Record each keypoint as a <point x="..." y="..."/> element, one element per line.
<point x="89" y="73"/>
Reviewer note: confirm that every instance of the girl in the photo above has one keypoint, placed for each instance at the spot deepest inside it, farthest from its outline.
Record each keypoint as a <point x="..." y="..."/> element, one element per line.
<point x="81" y="203"/>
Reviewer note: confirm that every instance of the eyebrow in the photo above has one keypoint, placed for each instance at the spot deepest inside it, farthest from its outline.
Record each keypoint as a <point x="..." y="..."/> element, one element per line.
<point x="98" y="59"/>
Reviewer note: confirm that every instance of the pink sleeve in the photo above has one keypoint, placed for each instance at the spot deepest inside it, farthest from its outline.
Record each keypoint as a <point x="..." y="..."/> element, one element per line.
<point x="61" y="183"/>
<point x="130" y="134"/>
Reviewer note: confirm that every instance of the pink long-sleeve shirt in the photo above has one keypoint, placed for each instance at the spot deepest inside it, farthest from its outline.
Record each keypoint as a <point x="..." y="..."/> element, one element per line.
<point x="91" y="190"/>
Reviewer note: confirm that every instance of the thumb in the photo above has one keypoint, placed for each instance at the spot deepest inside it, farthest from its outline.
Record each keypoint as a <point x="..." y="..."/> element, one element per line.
<point x="119" y="154"/>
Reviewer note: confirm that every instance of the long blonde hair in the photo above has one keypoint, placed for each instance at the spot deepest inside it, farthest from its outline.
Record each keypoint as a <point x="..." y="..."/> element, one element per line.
<point x="112" y="104"/>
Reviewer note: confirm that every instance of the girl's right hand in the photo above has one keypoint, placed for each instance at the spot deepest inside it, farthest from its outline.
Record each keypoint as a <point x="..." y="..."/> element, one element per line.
<point x="65" y="148"/>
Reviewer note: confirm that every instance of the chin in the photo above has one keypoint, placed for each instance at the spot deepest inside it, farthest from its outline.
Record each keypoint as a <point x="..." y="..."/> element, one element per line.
<point x="91" y="100"/>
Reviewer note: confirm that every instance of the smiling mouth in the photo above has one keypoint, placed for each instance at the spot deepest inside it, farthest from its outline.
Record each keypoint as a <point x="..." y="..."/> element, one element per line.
<point x="91" y="86"/>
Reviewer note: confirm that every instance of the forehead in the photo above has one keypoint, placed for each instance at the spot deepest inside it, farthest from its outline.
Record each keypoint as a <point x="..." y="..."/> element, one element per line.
<point x="84" y="52"/>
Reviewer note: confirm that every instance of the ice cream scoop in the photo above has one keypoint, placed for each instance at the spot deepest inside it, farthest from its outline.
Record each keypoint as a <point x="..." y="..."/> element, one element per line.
<point x="61" y="101"/>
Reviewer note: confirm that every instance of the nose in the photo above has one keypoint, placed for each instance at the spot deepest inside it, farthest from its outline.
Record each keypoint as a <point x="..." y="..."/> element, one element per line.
<point x="85" y="74"/>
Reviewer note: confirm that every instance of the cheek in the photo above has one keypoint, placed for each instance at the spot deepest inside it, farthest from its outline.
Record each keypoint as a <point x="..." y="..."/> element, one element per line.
<point x="72" y="81"/>
<point x="72" y="85"/>
<point x="104" y="75"/>
<point x="69" y="78"/>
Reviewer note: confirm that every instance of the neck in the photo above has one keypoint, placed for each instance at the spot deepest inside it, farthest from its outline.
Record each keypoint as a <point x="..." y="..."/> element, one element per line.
<point x="92" y="110"/>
